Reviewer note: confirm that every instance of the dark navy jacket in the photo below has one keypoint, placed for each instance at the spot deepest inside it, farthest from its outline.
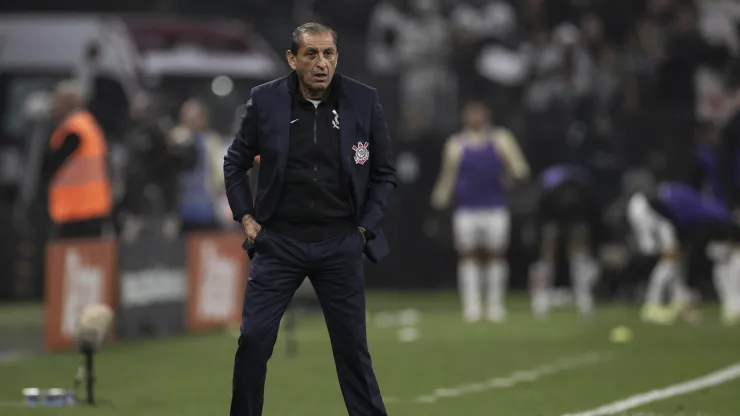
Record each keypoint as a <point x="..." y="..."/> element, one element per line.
<point x="265" y="131"/>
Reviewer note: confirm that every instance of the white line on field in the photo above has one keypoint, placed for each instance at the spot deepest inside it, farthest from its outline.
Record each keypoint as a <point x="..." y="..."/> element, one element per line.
<point x="517" y="377"/>
<point x="10" y="357"/>
<point x="712" y="379"/>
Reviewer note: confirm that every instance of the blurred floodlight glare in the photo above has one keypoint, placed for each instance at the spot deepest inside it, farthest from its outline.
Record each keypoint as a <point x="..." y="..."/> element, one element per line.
<point x="222" y="85"/>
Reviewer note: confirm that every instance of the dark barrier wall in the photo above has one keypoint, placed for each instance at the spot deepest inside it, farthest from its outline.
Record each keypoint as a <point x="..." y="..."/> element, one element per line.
<point x="152" y="287"/>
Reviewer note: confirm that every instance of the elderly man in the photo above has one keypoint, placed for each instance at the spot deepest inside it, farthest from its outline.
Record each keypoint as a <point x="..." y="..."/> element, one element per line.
<point x="325" y="179"/>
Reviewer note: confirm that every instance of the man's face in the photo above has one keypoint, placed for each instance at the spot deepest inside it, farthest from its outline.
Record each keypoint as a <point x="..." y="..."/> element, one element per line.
<point x="315" y="61"/>
<point x="476" y="116"/>
<point x="193" y="116"/>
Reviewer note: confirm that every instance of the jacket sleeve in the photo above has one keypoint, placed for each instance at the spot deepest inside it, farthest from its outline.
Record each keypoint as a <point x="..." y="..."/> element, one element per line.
<point x="382" y="179"/>
<point x="238" y="160"/>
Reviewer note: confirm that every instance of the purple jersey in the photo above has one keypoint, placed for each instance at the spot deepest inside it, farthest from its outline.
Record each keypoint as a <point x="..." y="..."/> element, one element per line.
<point x="480" y="177"/>
<point x="557" y="174"/>
<point x="687" y="207"/>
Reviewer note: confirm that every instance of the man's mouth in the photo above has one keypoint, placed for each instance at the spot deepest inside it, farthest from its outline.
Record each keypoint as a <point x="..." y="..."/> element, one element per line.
<point x="320" y="77"/>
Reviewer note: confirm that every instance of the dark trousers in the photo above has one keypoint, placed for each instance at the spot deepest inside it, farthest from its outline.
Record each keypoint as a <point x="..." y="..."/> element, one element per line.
<point x="92" y="228"/>
<point x="278" y="268"/>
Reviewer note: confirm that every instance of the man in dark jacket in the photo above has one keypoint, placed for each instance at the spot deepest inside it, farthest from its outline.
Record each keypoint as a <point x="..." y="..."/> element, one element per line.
<point x="326" y="175"/>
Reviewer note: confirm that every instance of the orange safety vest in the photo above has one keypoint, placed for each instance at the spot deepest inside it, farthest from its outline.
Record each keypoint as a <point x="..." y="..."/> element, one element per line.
<point x="80" y="189"/>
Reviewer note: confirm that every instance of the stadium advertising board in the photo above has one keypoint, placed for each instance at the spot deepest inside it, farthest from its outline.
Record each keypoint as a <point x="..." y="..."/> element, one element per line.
<point x="152" y="287"/>
<point x="217" y="276"/>
<point x="78" y="273"/>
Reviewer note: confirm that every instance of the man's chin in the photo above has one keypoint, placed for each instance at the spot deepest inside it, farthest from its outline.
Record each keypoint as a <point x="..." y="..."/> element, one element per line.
<point x="317" y="89"/>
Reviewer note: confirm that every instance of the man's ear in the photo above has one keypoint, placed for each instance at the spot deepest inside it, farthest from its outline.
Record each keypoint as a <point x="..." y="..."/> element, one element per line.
<point x="291" y="58"/>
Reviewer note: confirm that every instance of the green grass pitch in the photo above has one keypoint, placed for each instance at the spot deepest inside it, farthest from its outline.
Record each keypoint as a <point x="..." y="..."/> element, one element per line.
<point x="523" y="367"/>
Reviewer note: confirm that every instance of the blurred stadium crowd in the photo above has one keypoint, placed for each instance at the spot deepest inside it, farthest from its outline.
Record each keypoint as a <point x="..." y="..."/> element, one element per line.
<point x="625" y="89"/>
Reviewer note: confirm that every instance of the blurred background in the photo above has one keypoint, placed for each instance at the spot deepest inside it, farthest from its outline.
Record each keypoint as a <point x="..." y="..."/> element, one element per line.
<point x="617" y="87"/>
<point x="627" y="89"/>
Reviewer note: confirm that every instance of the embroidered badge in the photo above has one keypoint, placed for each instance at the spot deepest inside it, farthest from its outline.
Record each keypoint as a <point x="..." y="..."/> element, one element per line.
<point x="361" y="153"/>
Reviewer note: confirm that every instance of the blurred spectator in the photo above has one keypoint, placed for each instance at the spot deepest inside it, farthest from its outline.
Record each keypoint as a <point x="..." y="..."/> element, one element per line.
<point x="487" y="59"/>
<point x="643" y="54"/>
<point x="707" y="177"/>
<point x="153" y="165"/>
<point x="592" y="34"/>
<point x="729" y="156"/>
<point x="427" y="83"/>
<point x="386" y="22"/>
<point x="201" y="186"/>
<point x="686" y="50"/>
<point x="79" y="192"/>
<point x="104" y="96"/>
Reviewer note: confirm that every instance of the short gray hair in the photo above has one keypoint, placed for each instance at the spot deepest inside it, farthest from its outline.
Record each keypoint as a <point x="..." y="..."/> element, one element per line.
<point x="313" y="28"/>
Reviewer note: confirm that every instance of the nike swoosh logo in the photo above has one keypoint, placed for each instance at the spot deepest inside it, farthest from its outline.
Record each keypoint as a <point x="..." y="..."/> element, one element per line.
<point x="293" y="121"/>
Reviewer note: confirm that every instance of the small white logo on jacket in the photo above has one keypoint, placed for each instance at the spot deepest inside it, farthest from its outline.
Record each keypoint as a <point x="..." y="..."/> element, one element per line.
<point x="335" y="122"/>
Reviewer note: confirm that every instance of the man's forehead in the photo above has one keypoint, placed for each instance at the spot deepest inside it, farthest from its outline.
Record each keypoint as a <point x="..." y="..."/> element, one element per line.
<point x="317" y="40"/>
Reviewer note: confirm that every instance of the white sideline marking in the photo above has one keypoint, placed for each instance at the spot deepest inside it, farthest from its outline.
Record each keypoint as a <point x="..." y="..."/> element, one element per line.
<point x="712" y="379"/>
<point x="10" y="357"/>
<point x="517" y="377"/>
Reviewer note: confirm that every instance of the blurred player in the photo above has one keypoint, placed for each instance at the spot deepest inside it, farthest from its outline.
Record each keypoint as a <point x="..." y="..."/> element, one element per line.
<point x="663" y="223"/>
<point x="566" y="208"/>
<point x="479" y="164"/>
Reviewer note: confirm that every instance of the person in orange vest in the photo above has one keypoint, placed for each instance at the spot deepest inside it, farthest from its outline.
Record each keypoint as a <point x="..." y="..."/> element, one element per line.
<point x="80" y="202"/>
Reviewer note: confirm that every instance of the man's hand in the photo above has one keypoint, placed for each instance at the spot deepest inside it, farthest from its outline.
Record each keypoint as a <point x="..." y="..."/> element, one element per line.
<point x="251" y="228"/>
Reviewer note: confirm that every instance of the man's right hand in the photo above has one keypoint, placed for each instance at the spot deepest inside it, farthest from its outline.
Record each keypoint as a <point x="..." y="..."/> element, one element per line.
<point x="251" y="228"/>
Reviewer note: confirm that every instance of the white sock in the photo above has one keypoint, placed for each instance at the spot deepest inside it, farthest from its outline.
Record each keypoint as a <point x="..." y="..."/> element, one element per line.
<point x="584" y="271"/>
<point x="719" y="276"/>
<point x="541" y="280"/>
<point x="469" y="285"/>
<point x="661" y="276"/>
<point x="497" y="272"/>
<point x="680" y="293"/>
<point x="732" y="280"/>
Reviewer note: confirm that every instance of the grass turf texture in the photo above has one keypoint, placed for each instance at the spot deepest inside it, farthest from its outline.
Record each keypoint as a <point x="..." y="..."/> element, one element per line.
<point x="190" y="375"/>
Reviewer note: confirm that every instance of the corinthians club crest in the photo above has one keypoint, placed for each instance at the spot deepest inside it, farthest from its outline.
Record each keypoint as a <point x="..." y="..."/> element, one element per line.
<point x="361" y="153"/>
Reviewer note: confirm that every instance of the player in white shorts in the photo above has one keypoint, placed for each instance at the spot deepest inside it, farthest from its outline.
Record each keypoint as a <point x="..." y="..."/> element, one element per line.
<point x="667" y="222"/>
<point x="479" y="164"/>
